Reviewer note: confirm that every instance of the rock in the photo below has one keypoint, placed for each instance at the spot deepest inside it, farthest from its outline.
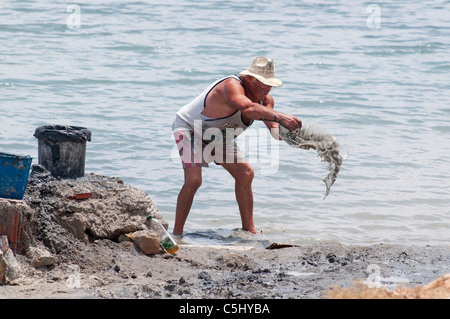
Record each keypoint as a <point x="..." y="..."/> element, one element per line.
<point x="13" y="268"/>
<point x="4" y="245"/>
<point x="146" y="240"/>
<point x="40" y="257"/>
<point x="170" y="287"/>
<point x="9" y="267"/>
<point x="439" y="288"/>
<point x="204" y="275"/>
<point x="2" y="267"/>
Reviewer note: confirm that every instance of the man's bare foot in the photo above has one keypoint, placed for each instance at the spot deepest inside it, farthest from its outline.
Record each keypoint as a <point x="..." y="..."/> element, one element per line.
<point x="252" y="230"/>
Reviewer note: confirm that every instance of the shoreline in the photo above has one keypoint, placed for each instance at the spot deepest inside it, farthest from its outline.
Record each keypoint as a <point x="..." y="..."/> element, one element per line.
<point x="83" y="251"/>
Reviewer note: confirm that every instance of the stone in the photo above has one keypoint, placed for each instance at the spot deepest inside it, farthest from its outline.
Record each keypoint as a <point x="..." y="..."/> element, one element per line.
<point x="13" y="268"/>
<point x="146" y="240"/>
<point x="40" y="257"/>
<point x="2" y="267"/>
<point x="4" y="245"/>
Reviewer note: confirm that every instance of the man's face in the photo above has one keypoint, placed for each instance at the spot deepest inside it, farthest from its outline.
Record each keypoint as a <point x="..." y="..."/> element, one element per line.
<point x="259" y="89"/>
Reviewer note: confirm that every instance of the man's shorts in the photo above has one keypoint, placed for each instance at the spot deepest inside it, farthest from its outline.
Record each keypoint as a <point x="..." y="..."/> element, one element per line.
<point x="194" y="152"/>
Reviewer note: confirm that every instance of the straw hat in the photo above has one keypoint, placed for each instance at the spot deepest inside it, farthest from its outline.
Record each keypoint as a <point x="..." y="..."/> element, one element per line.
<point x="263" y="70"/>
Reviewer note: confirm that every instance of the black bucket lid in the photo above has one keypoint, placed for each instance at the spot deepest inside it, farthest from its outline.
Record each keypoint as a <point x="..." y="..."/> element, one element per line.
<point x="63" y="133"/>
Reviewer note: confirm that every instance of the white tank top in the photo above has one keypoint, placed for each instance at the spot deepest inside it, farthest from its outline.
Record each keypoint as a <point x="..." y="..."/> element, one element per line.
<point x="193" y="112"/>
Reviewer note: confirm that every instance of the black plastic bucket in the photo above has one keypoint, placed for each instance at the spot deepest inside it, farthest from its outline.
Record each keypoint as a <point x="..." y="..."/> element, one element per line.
<point x="62" y="149"/>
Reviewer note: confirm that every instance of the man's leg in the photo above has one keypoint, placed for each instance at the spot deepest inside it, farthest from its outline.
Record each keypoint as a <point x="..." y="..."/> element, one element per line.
<point x="243" y="176"/>
<point x="192" y="181"/>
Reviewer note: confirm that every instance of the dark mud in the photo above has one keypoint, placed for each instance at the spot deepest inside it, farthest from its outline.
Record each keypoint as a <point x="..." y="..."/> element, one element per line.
<point x="106" y="269"/>
<point x="93" y="260"/>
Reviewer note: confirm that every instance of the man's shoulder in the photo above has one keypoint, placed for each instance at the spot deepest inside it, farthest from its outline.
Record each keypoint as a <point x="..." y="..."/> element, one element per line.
<point x="233" y="82"/>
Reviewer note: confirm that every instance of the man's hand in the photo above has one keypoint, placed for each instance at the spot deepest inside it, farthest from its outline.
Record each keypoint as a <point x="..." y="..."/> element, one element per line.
<point x="289" y="121"/>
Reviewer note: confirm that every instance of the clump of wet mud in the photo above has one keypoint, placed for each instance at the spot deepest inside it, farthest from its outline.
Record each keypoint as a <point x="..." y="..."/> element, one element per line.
<point x="326" y="145"/>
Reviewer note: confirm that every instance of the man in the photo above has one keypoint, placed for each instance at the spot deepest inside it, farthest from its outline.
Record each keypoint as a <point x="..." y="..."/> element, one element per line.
<point x="229" y="104"/>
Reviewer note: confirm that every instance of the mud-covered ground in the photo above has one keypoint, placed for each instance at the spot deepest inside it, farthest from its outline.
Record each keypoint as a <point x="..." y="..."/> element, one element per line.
<point x="118" y="270"/>
<point x="91" y="259"/>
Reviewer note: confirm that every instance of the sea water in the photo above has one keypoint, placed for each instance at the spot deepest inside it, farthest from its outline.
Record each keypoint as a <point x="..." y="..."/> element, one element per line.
<point x="373" y="75"/>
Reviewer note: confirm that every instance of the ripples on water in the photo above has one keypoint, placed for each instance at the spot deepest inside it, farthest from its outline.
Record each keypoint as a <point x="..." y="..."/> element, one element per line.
<point x="131" y="65"/>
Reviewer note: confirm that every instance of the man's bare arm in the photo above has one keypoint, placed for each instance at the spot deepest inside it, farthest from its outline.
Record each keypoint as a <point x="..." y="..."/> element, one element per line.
<point x="235" y="95"/>
<point x="271" y="125"/>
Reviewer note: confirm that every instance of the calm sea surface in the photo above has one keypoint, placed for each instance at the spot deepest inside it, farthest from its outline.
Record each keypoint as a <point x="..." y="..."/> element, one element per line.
<point x="375" y="76"/>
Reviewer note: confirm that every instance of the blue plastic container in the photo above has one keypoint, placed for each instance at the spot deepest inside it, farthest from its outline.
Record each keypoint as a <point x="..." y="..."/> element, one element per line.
<point x="14" y="173"/>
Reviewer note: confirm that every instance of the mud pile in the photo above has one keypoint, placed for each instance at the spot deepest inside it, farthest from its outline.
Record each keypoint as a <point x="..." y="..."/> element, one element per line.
<point x="72" y="212"/>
